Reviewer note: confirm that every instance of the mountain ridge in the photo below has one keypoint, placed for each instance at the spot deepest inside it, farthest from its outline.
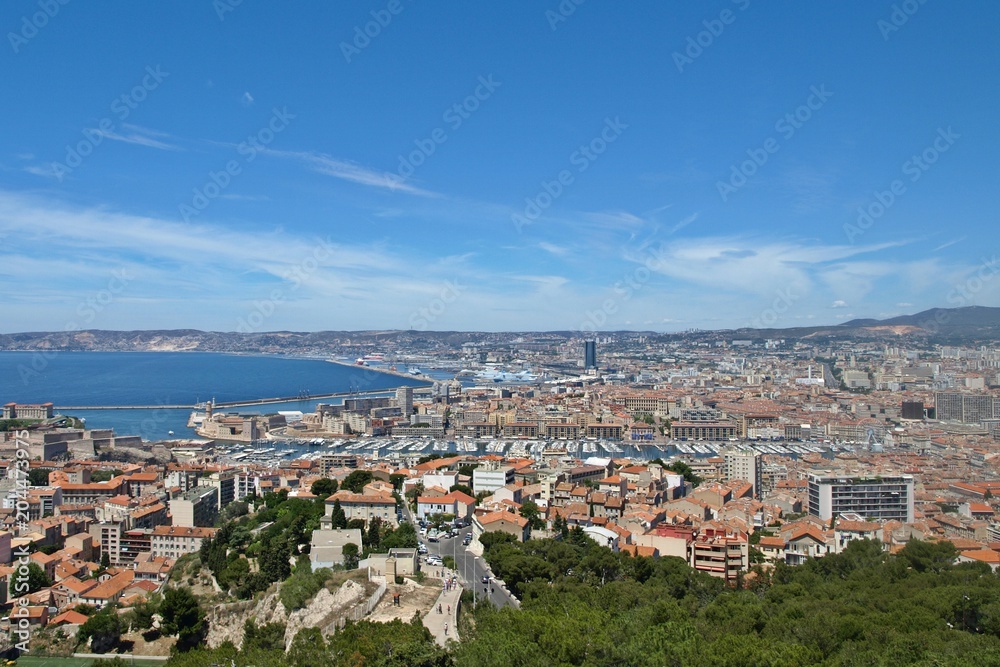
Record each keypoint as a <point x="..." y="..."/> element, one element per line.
<point x="941" y="324"/>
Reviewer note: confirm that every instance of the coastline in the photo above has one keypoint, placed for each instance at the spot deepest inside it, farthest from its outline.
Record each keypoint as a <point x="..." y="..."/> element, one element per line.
<point x="104" y="405"/>
<point x="386" y="371"/>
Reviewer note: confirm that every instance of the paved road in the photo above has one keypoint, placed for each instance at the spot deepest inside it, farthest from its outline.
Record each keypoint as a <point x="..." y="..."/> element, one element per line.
<point x="470" y="568"/>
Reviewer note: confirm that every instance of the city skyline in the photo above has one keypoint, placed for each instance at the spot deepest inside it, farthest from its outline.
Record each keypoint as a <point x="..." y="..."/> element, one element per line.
<point x="561" y="166"/>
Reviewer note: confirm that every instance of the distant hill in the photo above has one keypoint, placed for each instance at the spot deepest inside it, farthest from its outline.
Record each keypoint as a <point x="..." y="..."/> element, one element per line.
<point x="969" y="316"/>
<point x="940" y="325"/>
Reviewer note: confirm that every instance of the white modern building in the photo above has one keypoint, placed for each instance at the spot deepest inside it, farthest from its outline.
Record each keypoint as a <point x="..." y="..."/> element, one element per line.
<point x="877" y="497"/>
<point x="489" y="478"/>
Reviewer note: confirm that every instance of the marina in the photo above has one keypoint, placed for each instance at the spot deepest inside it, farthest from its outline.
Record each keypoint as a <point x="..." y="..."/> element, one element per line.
<point x="277" y="452"/>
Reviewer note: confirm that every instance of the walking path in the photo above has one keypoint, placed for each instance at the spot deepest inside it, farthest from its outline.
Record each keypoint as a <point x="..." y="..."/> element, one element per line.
<point x="434" y="621"/>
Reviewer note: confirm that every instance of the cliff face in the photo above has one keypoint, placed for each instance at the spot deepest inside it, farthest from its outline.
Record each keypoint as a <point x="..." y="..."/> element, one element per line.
<point x="323" y="611"/>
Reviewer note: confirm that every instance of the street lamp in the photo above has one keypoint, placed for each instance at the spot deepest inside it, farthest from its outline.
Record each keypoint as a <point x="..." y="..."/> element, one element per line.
<point x="474" y="586"/>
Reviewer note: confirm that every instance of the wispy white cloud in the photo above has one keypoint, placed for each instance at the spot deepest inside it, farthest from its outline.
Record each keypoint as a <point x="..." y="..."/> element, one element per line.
<point x="140" y="136"/>
<point x="683" y="223"/>
<point x="616" y="220"/>
<point x="742" y="265"/>
<point x="950" y="243"/>
<point x="353" y="172"/>
<point x="44" y="170"/>
<point x="559" y="251"/>
<point x="208" y="275"/>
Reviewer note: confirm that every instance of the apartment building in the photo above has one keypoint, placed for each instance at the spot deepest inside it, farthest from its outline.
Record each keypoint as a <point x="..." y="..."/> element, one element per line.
<point x="176" y="541"/>
<point x="878" y="497"/>
<point x="197" y="507"/>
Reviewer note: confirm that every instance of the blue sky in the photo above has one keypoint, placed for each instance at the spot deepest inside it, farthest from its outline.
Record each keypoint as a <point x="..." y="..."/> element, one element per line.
<point x="494" y="166"/>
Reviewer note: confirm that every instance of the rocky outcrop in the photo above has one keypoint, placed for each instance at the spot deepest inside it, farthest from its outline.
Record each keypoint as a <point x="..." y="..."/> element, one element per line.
<point x="324" y="612"/>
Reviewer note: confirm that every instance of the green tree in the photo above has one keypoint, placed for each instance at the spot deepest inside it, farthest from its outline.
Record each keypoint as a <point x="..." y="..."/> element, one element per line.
<point x="530" y="511"/>
<point x="235" y="573"/>
<point x="109" y="662"/>
<point x="463" y="489"/>
<point x="350" y="556"/>
<point x="308" y="649"/>
<point x="397" y="479"/>
<point x="324" y="487"/>
<point x="141" y="616"/>
<point x="929" y="556"/>
<point x="182" y="616"/>
<point x="390" y="644"/>
<point x="493" y="538"/>
<point x="414" y="492"/>
<point x="356" y="481"/>
<point x="403" y="537"/>
<point x="274" y="559"/>
<point x="338" y="517"/>
<point x="233" y="510"/>
<point x="103" y="630"/>
<point x="35" y="580"/>
<point x="267" y="637"/>
<point x="374" y="535"/>
<point x="684" y="469"/>
<point x="38" y="477"/>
